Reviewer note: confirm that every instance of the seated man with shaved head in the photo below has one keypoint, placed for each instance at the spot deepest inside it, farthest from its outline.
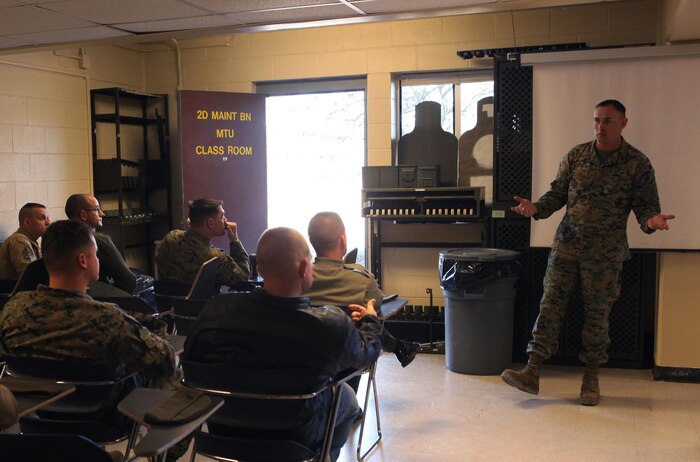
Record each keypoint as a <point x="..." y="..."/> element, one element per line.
<point x="275" y="327"/>
<point x="341" y="284"/>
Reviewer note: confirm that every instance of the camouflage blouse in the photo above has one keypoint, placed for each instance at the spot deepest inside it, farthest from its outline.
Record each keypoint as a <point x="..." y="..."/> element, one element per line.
<point x="65" y="324"/>
<point x="599" y="195"/>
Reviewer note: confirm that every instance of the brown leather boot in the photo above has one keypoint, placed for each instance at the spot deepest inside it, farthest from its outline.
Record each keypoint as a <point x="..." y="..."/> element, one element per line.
<point x="590" y="390"/>
<point x="526" y="379"/>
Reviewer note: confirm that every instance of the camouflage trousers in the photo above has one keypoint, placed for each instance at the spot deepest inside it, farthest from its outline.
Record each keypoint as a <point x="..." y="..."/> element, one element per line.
<point x="600" y="287"/>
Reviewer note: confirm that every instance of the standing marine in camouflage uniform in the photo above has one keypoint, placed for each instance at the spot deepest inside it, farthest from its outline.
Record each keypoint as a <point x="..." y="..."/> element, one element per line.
<point x="62" y="322"/>
<point x="181" y="253"/>
<point x="339" y="284"/>
<point x="21" y="248"/>
<point x="600" y="182"/>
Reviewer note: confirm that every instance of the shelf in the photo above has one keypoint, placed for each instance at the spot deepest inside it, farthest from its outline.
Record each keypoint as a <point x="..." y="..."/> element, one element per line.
<point x="428" y="245"/>
<point x="112" y="91"/>
<point x="466" y="219"/>
<point x="112" y="218"/>
<point x="423" y="204"/>
<point x="125" y="120"/>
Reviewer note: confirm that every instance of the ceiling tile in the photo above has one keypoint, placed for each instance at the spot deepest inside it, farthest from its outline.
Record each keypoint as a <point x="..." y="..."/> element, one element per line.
<point x="112" y="12"/>
<point x="27" y="19"/>
<point x="72" y="35"/>
<point x="296" y="15"/>
<point x="199" y="22"/>
<point x="403" y="6"/>
<point x="11" y="43"/>
<point x="240" y="6"/>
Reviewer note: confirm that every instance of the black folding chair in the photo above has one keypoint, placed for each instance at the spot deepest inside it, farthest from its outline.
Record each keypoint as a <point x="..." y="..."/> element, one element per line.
<point x="27" y="447"/>
<point x="185" y="302"/>
<point x="256" y="416"/>
<point x="34" y="274"/>
<point x="185" y="313"/>
<point x="91" y="411"/>
<point x="205" y="284"/>
<point x="131" y="303"/>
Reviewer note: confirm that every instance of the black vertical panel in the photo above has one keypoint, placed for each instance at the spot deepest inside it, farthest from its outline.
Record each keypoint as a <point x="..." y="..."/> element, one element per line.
<point x="513" y="176"/>
<point x="513" y="131"/>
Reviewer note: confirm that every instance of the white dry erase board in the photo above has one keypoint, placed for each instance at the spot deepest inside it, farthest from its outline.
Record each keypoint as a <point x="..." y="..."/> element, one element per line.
<point x="660" y="86"/>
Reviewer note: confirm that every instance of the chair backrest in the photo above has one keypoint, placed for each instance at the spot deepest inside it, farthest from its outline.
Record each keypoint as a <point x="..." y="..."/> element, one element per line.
<point x="89" y="411"/>
<point x="34" y="274"/>
<point x="27" y="447"/>
<point x="171" y="288"/>
<point x="205" y="284"/>
<point x="131" y="303"/>
<point x="7" y="286"/>
<point x="351" y="257"/>
<point x="185" y="312"/>
<point x="261" y="407"/>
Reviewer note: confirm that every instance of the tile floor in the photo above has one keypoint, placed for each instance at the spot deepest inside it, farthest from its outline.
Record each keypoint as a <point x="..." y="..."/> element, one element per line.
<point x="431" y="414"/>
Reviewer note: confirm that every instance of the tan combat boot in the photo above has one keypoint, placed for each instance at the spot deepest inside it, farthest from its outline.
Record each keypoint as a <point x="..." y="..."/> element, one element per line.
<point x="527" y="379"/>
<point x="590" y="390"/>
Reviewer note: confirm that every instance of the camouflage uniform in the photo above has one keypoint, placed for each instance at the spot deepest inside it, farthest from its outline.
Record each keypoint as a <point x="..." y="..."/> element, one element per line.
<point x="18" y="250"/>
<point x="112" y="264"/>
<point x="590" y="244"/>
<point x="181" y="253"/>
<point x="64" y="324"/>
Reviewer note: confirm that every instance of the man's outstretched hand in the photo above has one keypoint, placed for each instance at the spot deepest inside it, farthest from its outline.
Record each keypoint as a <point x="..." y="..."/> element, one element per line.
<point x="524" y="207"/>
<point x="659" y="222"/>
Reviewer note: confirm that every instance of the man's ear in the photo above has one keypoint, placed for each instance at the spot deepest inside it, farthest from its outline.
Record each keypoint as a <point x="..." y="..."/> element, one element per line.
<point x="302" y="267"/>
<point x="82" y="260"/>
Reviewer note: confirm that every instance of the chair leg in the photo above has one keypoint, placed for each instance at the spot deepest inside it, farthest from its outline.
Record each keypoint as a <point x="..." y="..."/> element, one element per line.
<point x="371" y="382"/>
<point x="132" y="440"/>
<point x="330" y="427"/>
<point x="194" y="443"/>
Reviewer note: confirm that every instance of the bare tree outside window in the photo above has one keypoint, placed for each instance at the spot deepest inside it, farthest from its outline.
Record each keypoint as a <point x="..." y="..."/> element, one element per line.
<point x="315" y="153"/>
<point x="412" y="95"/>
<point x="466" y="94"/>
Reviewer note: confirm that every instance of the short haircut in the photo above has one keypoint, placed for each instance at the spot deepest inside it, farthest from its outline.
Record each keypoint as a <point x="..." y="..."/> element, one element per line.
<point x="28" y="208"/>
<point x="76" y="204"/>
<point x="614" y="103"/>
<point x="201" y="209"/>
<point x="325" y="228"/>
<point x="62" y="241"/>
<point x="279" y="251"/>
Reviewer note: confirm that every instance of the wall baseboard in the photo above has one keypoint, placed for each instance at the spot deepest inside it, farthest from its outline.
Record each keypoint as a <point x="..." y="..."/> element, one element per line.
<point x="676" y="374"/>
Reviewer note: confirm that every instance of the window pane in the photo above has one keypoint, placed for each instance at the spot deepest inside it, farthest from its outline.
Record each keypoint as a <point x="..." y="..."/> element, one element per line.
<point x="411" y="95"/>
<point x="471" y="93"/>
<point x="476" y="143"/>
<point x="315" y="152"/>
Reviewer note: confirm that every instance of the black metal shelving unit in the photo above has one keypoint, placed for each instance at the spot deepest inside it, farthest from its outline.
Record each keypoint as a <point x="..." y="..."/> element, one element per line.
<point x="131" y="167"/>
<point x="447" y="205"/>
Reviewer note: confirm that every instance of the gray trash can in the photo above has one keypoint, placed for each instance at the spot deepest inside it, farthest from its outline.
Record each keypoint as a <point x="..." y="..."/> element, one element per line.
<point x="479" y="285"/>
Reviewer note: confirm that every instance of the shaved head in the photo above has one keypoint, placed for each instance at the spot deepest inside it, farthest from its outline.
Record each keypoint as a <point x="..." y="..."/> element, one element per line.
<point x="325" y="228"/>
<point x="279" y="252"/>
